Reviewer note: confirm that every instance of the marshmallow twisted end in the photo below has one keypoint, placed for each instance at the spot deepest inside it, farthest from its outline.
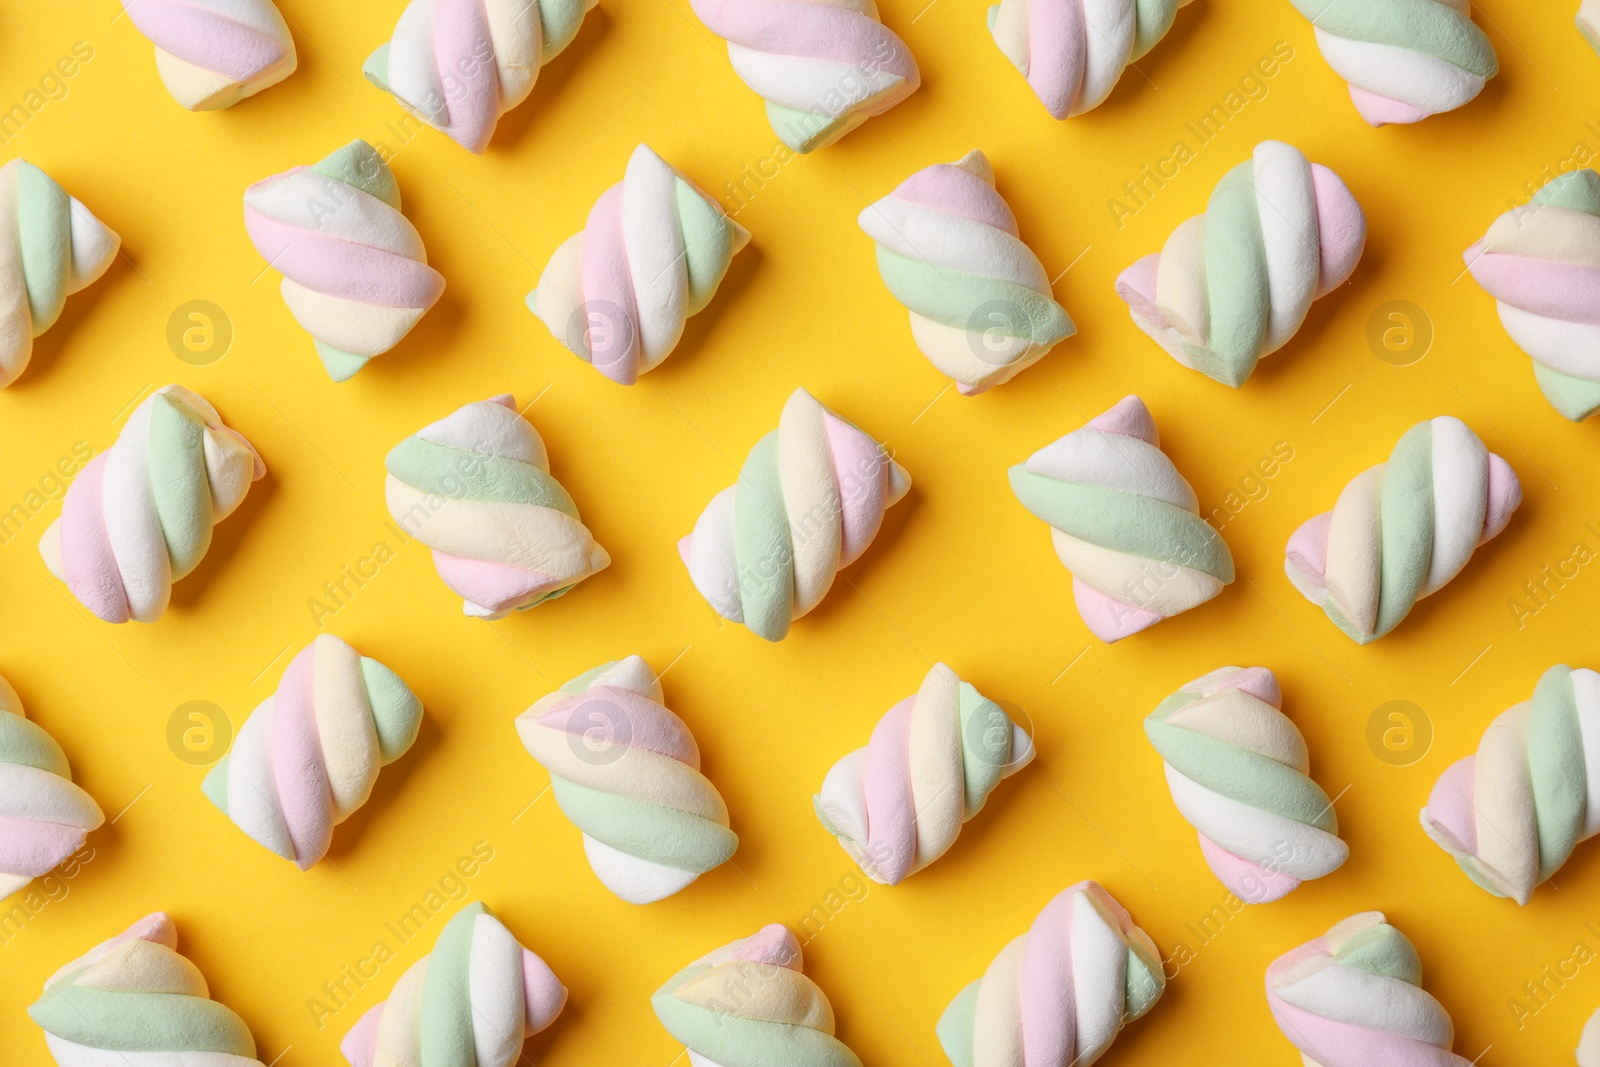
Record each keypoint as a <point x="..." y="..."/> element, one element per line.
<point x="1061" y="992"/>
<point x="979" y="299"/>
<point x="213" y="53"/>
<point x="1124" y="522"/>
<point x="134" y="999"/>
<point x="748" y="1003"/>
<point x="1541" y="263"/>
<point x="471" y="1002"/>
<point x="652" y="253"/>
<point x="309" y="755"/>
<point x="1512" y="813"/>
<point x="898" y="804"/>
<point x="1353" y="998"/>
<point x="44" y="817"/>
<point x="1403" y="529"/>
<point x="1239" y="773"/>
<point x="627" y="772"/>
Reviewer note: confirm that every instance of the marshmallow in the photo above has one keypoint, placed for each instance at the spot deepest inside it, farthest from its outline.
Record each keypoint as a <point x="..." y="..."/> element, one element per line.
<point x="44" y="818"/>
<point x="1589" y="26"/>
<point x="1402" y="529"/>
<point x="1124" y="522"/>
<point x="309" y="755"/>
<point x="1073" y="53"/>
<point x="652" y="253"/>
<point x="138" y="517"/>
<point x="1589" y="1043"/>
<point x="1512" y="813"/>
<point x="1353" y="998"/>
<point x="213" y="53"/>
<point x="1234" y="285"/>
<point x="471" y="1002"/>
<point x="1238" y="768"/>
<point x="475" y="487"/>
<point x="809" y="500"/>
<point x="458" y="65"/>
<point x="823" y="66"/>
<point x="355" y="275"/>
<point x="134" y="1001"/>
<point x="1404" y="60"/>
<point x="1061" y="992"/>
<point x="748" y="1003"/>
<point x="934" y="758"/>
<point x="627" y="772"/>
<point x="50" y="248"/>
<point x="979" y="299"/>
<point x="1541" y="263"/>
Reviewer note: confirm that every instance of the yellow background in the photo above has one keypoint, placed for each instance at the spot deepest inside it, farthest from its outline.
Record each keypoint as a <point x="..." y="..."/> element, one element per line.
<point x="960" y="572"/>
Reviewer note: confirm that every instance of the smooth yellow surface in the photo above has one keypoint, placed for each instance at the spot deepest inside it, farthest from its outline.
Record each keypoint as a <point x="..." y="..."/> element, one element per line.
<point x="960" y="573"/>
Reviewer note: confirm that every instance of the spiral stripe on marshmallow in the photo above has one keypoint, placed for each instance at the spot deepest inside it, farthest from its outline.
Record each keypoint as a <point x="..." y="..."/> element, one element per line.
<point x="748" y="1003"/>
<point x="1353" y="998"/>
<point x="1238" y="770"/>
<point x="1404" y="59"/>
<point x="50" y="248"/>
<point x="1059" y="994"/>
<point x="1234" y="285"/>
<point x="309" y="755"/>
<point x="1124" y="522"/>
<point x="134" y="1001"/>
<point x="458" y="65"/>
<point x="934" y="758"/>
<point x="1072" y="52"/>
<point x="823" y="66"/>
<point x="213" y="53"/>
<point x="809" y="500"/>
<point x="979" y="299"/>
<point x="626" y="771"/>
<point x="44" y="817"/>
<point x="1403" y="529"/>
<point x="1541" y="263"/>
<point x="471" y="1002"/>
<point x="475" y="487"/>
<point x="138" y="517"/>
<point x="652" y="253"/>
<point x="1513" y="813"/>
<point x="355" y="274"/>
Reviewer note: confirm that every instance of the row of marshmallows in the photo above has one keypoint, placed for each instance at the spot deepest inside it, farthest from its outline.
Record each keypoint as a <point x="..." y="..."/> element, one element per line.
<point x="1063" y="991"/>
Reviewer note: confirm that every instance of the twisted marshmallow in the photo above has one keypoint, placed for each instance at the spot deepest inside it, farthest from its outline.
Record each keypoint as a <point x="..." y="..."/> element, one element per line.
<point x="213" y="53"/>
<point x="138" y="517"/>
<point x="1353" y="998"/>
<point x="652" y="253"/>
<point x="1512" y="814"/>
<point x="627" y="771"/>
<point x="471" y="1002"/>
<point x="355" y="274"/>
<point x="934" y="758"/>
<point x="133" y="1001"/>
<point x="475" y="487"/>
<point x="1404" y="59"/>
<point x="809" y="500"/>
<point x="823" y="66"/>
<point x="1058" y="995"/>
<point x="979" y="299"/>
<point x="44" y="817"/>
<point x="1541" y="263"/>
<point x="748" y="1003"/>
<point x="1402" y="529"/>
<point x="1074" y="53"/>
<point x="1124" y="522"/>
<point x="310" y="754"/>
<point x="1238" y="768"/>
<point x="458" y="65"/>
<point x="1234" y="285"/>
<point x="50" y="247"/>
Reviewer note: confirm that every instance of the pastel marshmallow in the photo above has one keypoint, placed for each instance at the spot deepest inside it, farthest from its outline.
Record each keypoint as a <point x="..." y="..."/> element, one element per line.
<point x="213" y="53"/>
<point x="44" y="817"/>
